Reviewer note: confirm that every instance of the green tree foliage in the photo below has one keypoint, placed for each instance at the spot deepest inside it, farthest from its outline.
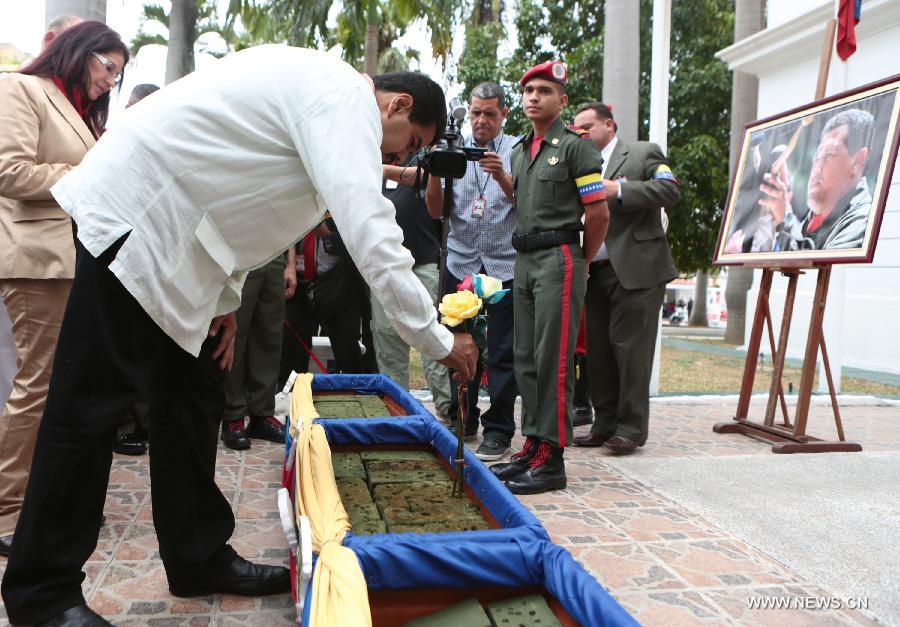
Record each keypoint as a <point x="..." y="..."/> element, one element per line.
<point x="699" y="119"/>
<point x="569" y="30"/>
<point x="305" y="23"/>
<point x="478" y="62"/>
<point x="699" y="96"/>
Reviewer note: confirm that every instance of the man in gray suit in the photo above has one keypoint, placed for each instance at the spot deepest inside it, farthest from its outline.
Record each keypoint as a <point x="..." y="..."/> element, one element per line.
<point x="627" y="283"/>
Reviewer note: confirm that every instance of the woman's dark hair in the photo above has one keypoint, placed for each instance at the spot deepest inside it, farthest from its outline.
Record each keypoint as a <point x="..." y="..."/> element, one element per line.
<point x="428" y="107"/>
<point x="68" y="56"/>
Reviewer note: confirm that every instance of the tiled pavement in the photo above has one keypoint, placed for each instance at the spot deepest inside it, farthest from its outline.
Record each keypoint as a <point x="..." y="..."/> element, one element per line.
<point x="664" y="563"/>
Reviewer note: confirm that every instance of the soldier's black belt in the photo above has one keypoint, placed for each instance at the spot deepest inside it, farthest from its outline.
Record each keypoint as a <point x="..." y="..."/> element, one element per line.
<point x="544" y="239"/>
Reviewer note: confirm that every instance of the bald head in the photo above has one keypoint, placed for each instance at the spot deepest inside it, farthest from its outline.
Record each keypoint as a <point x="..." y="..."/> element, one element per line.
<point x="58" y="25"/>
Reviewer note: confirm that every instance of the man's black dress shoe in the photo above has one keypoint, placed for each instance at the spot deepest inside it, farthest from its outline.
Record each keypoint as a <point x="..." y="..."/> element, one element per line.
<point x="266" y="428"/>
<point x="240" y="577"/>
<point x="582" y="415"/>
<point x="234" y="436"/>
<point x="6" y="545"/>
<point x="130" y="444"/>
<point x="621" y="445"/>
<point x="591" y="439"/>
<point x="78" y="616"/>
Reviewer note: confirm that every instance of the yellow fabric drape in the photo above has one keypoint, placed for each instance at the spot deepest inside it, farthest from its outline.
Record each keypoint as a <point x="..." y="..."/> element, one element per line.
<point x="339" y="597"/>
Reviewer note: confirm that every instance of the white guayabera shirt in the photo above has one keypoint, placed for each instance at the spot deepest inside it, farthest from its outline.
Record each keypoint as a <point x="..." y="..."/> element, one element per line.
<point x="223" y="170"/>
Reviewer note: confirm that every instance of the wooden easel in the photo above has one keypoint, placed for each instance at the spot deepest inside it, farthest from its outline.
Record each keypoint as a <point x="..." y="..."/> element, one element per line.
<point x="787" y="437"/>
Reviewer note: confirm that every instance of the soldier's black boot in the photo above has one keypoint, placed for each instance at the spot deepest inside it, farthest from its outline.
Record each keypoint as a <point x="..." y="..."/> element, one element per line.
<point x="546" y="472"/>
<point x="519" y="462"/>
<point x="581" y="399"/>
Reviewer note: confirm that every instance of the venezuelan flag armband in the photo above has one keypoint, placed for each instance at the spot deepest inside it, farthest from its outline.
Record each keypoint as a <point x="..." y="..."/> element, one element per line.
<point x="664" y="173"/>
<point x="590" y="188"/>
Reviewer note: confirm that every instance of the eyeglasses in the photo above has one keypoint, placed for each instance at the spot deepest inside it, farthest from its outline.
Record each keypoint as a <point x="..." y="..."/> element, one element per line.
<point x="109" y="65"/>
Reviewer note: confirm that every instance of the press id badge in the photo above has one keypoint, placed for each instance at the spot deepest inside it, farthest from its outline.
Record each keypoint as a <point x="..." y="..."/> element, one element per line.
<point x="478" y="207"/>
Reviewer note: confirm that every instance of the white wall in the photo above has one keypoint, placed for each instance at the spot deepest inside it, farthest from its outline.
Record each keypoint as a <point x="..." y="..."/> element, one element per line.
<point x="861" y="326"/>
<point x="780" y="12"/>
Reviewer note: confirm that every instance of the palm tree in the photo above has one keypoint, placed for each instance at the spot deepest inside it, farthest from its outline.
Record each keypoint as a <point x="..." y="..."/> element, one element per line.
<point x="182" y="33"/>
<point x="186" y="22"/>
<point x="748" y="19"/>
<point x="486" y="11"/>
<point x="365" y="28"/>
<point x="621" y="63"/>
<point x="85" y="9"/>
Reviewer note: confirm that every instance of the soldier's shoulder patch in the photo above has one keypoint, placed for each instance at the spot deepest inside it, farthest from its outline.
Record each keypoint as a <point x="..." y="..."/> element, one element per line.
<point x="578" y="131"/>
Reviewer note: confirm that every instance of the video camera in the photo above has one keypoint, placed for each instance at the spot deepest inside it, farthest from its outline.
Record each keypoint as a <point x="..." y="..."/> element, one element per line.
<point x="447" y="159"/>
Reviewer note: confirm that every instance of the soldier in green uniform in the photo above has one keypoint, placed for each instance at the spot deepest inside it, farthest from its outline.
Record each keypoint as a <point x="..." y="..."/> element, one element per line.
<point x="556" y="179"/>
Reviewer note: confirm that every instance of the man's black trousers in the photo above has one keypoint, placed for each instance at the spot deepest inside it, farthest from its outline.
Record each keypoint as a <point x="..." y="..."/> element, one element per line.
<point x="110" y="353"/>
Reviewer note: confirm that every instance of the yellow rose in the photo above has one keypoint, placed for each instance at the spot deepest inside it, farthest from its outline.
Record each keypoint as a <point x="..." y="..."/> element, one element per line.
<point x="459" y="306"/>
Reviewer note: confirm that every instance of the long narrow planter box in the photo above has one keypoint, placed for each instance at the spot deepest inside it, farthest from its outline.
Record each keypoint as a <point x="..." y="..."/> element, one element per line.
<point x="508" y="518"/>
<point x="407" y="580"/>
<point x="414" y="574"/>
<point x="400" y="403"/>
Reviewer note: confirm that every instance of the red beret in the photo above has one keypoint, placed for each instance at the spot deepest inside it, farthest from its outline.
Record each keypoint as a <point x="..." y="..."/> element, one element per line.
<point x="551" y="71"/>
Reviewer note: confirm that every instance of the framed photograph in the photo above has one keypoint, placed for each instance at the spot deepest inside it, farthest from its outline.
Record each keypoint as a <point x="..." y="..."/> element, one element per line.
<point x="811" y="183"/>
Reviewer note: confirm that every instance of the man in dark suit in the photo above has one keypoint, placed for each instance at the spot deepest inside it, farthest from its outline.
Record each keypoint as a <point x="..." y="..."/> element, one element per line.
<point x="627" y="283"/>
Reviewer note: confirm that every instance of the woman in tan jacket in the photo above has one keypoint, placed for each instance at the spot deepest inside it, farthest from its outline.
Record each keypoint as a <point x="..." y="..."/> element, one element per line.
<point x="51" y="113"/>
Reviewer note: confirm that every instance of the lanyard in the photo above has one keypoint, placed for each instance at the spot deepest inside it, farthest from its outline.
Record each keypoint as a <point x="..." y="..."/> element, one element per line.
<point x="487" y="177"/>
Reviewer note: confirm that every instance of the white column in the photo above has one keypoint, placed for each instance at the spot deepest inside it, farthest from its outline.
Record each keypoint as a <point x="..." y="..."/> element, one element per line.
<point x="621" y="64"/>
<point x="85" y="9"/>
<point x="659" y="73"/>
<point x="659" y="122"/>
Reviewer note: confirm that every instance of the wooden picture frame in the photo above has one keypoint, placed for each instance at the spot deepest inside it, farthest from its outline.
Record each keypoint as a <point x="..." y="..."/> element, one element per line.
<point x="811" y="183"/>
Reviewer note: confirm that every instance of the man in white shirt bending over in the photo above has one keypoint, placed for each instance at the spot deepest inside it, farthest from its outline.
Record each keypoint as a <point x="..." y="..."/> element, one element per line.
<point x="224" y="170"/>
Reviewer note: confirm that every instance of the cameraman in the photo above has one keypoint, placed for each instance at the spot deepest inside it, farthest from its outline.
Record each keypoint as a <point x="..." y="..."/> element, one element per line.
<point x="482" y="221"/>
<point x="422" y="238"/>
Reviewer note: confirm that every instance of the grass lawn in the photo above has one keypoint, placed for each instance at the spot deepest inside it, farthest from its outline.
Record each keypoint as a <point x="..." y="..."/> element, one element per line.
<point x="687" y="371"/>
<point x="693" y="372"/>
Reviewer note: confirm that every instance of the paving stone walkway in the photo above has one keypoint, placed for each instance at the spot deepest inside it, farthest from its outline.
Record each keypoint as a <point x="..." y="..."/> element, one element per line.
<point x="666" y="564"/>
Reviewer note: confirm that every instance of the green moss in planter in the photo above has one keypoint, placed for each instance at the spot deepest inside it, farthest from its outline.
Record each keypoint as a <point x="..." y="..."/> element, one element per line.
<point x="404" y="476"/>
<point x="402" y="464"/>
<point x="399" y="494"/>
<point x="435" y="516"/>
<point x="444" y="487"/>
<point x="469" y="613"/>
<point x="442" y="526"/>
<point x="363" y="512"/>
<point x="350" y="406"/>
<point x="527" y="611"/>
<point x="394" y="456"/>
<point x="353" y="490"/>
<point x="404" y="491"/>
<point x="348" y="465"/>
<point x="369" y="528"/>
<point x="404" y="471"/>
